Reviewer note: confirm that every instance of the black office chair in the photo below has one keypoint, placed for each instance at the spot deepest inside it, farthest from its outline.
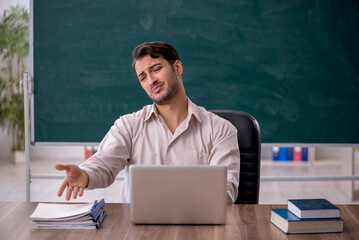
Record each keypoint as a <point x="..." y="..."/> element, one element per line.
<point x="249" y="141"/>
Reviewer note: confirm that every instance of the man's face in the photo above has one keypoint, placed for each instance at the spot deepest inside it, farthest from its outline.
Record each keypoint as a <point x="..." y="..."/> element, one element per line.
<point x="158" y="78"/>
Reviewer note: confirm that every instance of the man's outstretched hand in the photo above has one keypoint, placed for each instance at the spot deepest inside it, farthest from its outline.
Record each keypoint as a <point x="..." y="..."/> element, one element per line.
<point x="76" y="181"/>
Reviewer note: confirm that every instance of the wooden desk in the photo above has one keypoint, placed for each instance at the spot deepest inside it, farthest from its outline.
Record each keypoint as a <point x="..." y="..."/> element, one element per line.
<point x="243" y="222"/>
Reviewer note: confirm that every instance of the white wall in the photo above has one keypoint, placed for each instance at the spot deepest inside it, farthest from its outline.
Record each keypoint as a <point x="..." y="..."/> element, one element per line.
<point x="57" y="152"/>
<point x="4" y="4"/>
<point x="5" y="144"/>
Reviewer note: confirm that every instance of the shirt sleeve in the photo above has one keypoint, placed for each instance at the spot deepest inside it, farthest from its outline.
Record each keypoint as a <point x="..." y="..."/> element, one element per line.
<point x="112" y="155"/>
<point x="225" y="152"/>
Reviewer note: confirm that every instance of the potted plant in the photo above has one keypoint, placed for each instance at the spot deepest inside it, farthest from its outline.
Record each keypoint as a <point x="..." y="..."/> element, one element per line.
<point x="14" y="47"/>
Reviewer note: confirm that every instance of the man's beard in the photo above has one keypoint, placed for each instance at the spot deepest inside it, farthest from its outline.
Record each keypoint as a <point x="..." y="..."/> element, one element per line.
<point x="172" y="91"/>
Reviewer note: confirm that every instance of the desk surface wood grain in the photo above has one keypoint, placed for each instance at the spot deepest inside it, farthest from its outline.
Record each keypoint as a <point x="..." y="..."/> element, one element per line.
<point x="243" y="222"/>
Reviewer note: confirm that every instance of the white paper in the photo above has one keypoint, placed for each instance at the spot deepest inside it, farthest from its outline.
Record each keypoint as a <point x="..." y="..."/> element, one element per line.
<point x="45" y="211"/>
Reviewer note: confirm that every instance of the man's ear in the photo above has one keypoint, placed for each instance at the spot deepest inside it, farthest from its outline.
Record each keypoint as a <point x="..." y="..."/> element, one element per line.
<point x="177" y="65"/>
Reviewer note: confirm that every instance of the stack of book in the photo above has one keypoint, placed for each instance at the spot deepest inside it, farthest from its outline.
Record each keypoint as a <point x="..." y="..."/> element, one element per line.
<point x="296" y="154"/>
<point x="308" y="216"/>
<point x="69" y="216"/>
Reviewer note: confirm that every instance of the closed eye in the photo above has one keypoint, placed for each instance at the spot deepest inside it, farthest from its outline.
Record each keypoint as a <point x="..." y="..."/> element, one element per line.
<point x="157" y="68"/>
<point x="142" y="78"/>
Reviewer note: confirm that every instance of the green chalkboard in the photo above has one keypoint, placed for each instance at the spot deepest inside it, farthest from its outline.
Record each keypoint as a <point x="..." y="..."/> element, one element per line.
<point x="293" y="65"/>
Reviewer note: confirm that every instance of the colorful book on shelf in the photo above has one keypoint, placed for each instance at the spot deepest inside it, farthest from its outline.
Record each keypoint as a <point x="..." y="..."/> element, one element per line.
<point x="297" y="154"/>
<point x="283" y="154"/>
<point x="304" y="154"/>
<point x="289" y="154"/>
<point x="313" y="208"/>
<point x="275" y="153"/>
<point x="289" y="223"/>
<point x="69" y="216"/>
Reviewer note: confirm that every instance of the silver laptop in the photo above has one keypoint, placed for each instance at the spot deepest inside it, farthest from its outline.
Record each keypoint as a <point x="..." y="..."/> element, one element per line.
<point x="178" y="194"/>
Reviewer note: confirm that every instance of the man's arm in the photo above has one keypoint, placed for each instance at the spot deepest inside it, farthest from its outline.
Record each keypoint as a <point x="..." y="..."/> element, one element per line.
<point x="101" y="169"/>
<point x="112" y="155"/>
<point x="225" y="152"/>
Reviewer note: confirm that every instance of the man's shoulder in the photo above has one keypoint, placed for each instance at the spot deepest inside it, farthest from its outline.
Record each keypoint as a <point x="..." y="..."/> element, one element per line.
<point x="212" y="119"/>
<point x="142" y="113"/>
<point x="136" y="117"/>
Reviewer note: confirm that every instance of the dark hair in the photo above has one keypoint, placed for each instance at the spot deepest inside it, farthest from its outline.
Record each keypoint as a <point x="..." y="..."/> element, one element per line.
<point x="155" y="50"/>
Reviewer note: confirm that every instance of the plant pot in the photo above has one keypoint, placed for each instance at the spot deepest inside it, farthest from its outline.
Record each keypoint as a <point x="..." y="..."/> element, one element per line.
<point x="19" y="157"/>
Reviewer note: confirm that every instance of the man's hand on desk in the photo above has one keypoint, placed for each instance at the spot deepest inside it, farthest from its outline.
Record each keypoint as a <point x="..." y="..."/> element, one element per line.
<point x="75" y="181"/>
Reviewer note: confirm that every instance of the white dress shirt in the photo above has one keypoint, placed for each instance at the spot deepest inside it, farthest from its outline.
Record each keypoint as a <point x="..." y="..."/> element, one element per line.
<point x="143" y="137"/>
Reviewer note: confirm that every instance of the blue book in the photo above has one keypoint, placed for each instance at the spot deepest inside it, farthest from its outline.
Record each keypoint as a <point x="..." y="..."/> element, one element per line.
<point x="305" y="154"/>
<point x="313" y="208"/>
<point x="275" y="153"/>
<point x="290" y="154"/>
<point x="289" y="223"/>
<point x="282" y="154"/>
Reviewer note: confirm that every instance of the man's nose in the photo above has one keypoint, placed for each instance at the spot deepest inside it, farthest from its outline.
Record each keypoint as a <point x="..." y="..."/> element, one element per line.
<point x="152" y="79"/>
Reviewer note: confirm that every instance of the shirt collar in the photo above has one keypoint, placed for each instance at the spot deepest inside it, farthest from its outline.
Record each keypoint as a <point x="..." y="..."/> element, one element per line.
<point x="152" y="112"/>
<point x="192" y="111"/>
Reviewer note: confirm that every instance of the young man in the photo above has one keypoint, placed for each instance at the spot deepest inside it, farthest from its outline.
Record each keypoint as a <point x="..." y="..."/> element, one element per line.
<point x="172" y="131"/>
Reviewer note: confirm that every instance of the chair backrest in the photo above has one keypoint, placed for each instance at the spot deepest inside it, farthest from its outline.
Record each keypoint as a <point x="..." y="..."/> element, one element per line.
<point x="249" y="141"/>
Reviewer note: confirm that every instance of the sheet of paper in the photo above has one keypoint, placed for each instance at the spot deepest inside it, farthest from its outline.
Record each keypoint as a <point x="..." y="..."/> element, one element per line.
<point x="58" y="211"/>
